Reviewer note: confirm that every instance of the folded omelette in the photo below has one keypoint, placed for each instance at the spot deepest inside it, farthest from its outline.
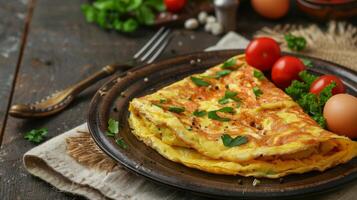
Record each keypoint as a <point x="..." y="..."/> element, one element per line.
<point x="232" y="120"/>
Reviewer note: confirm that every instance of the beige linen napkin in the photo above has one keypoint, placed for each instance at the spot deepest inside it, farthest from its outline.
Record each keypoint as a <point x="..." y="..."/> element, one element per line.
<point x="72" y="163"/>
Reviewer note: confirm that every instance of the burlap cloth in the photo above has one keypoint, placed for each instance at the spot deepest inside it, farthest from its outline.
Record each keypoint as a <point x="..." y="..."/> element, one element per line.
<point x="73" y="163"/>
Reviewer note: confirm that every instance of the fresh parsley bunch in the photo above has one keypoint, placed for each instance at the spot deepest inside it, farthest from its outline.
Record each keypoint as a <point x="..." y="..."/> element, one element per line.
<point x="122" y="15"/>
<point x="295" y="43"/>
<point x="311" y="103"/>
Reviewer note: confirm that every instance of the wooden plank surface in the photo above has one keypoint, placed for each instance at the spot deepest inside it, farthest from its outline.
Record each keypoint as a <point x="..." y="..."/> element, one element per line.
<point x="12" y="22"/>
<point x="62" y="49"/>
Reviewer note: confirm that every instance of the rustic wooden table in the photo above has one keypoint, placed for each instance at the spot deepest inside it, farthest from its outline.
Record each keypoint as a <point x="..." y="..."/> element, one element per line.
<point x="47" y="45"/>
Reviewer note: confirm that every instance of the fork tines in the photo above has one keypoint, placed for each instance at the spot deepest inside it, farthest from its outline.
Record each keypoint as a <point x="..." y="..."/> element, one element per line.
<point x="154" y="47"/>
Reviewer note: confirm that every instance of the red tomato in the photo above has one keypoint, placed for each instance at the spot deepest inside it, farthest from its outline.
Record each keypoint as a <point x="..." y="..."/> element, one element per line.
<point x="262" y="53"/>
<point x="319" y="84"/>
<point x="285" y="70"/>
<point x="174" y="5"/>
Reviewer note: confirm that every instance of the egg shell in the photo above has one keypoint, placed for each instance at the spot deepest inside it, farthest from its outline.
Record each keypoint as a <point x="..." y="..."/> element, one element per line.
<point x="340" y="112"/>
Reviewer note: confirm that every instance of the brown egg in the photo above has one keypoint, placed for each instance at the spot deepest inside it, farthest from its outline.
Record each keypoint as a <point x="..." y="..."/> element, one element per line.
<point x="340" y="112"/>
<point x="272" y="9"/>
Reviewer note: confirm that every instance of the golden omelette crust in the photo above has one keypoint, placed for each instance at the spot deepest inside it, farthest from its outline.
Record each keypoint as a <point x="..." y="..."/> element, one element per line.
<point x="273" y="123"/>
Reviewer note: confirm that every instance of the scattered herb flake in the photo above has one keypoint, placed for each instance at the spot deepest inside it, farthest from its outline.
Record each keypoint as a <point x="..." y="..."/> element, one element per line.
<point x="295" y="43"/>
<point x="121" y="143"/>
<point x="226" y="110"/>
<point x="213" y="115"/>
<point x="223" y="101"/>
<point x="113" y="126"/>
<point x="228" y="141"/>
<point x="229" y="95"/>
<point x="229" y="63"/>
<point x="199" y="82"/>
<point x="199" y="113"/>
<point x="163" y="100"/>
<point x="176" y="109"/>
<point x="257" y="91"/>
<point x="258" y="74"/>
<point x="36" y="135"/>
<point x="222" y="73"/>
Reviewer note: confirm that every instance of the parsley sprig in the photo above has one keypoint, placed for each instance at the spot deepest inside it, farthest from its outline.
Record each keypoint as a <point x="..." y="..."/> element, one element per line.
<point x="295" y="43"/>
<point x="311" y="103"/>
<point x="36" y="135"/>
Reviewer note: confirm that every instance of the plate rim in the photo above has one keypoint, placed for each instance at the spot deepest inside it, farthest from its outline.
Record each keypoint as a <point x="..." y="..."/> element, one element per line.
<point x="92" y="120"/>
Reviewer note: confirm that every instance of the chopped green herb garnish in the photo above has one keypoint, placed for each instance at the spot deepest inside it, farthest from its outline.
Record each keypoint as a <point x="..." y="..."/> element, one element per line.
<point x="229" y="63"/>
<point x="222" y="73"/>
<point x="311" y="103"/>
<point x="257" y="91"/>
<point x="213" y="114"/>
<point x="36" y="135"/>
<point x="223" y="101"/>
<point x="176" y="109"/>
<point x="258" y="74"/>
<point x="226" y="110"/>
<point x="229" y="95"/>
<point x="307" y="62"/>
<point x="163" y="100"/>
<point x="199" y="113"/>
<point x="121" y="143"/>
<point x="113" y="126"/>
<point x="228" y="141"/>
<point x="295" y="43"/>
<point x="199" y="82"/>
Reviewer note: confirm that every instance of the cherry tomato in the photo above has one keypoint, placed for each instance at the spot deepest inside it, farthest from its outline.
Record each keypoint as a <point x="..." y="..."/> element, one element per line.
<point x="262" y="53"/>
<point x="319" y="84"/>
<point x="174" y="5"/>
<point x="285" y="70"/>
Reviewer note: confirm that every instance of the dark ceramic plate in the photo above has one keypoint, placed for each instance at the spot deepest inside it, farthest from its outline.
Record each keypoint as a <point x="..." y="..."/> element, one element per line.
<point x="112" y="101"/>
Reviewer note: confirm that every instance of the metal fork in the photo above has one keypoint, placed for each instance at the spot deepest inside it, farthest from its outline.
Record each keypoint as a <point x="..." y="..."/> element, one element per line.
<point x="60" y="100"/>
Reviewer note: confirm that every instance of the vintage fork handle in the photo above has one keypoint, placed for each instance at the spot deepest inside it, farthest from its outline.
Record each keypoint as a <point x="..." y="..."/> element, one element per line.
<point x="104" y="72"/>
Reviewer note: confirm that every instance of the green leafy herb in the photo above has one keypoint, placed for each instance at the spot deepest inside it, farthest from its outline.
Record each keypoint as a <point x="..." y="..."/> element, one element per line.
<point x="36" y="135"/>
<point x="222" y="73"/>
<point x="295" y="43"/>
<point x="122" y="15"/>
<point x="213" y="114"/>
<point x="307" y="62"/>
<point x="228" y="141"/>
<point x="176" y="109"/>
<point x="229" y="63"/>
<point x="311" y="103"/>
<point x="121" y="143"/>
<point x="258" y="74"/>
<point x="307" y="77"/>
<point x="199" y="113"/>
<point x="199" y="82"/>
<point x="113" y="127"/>
<point x="163" y="100"/>
<point x="229" y="95"/>
<point x="257" y="91"/>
